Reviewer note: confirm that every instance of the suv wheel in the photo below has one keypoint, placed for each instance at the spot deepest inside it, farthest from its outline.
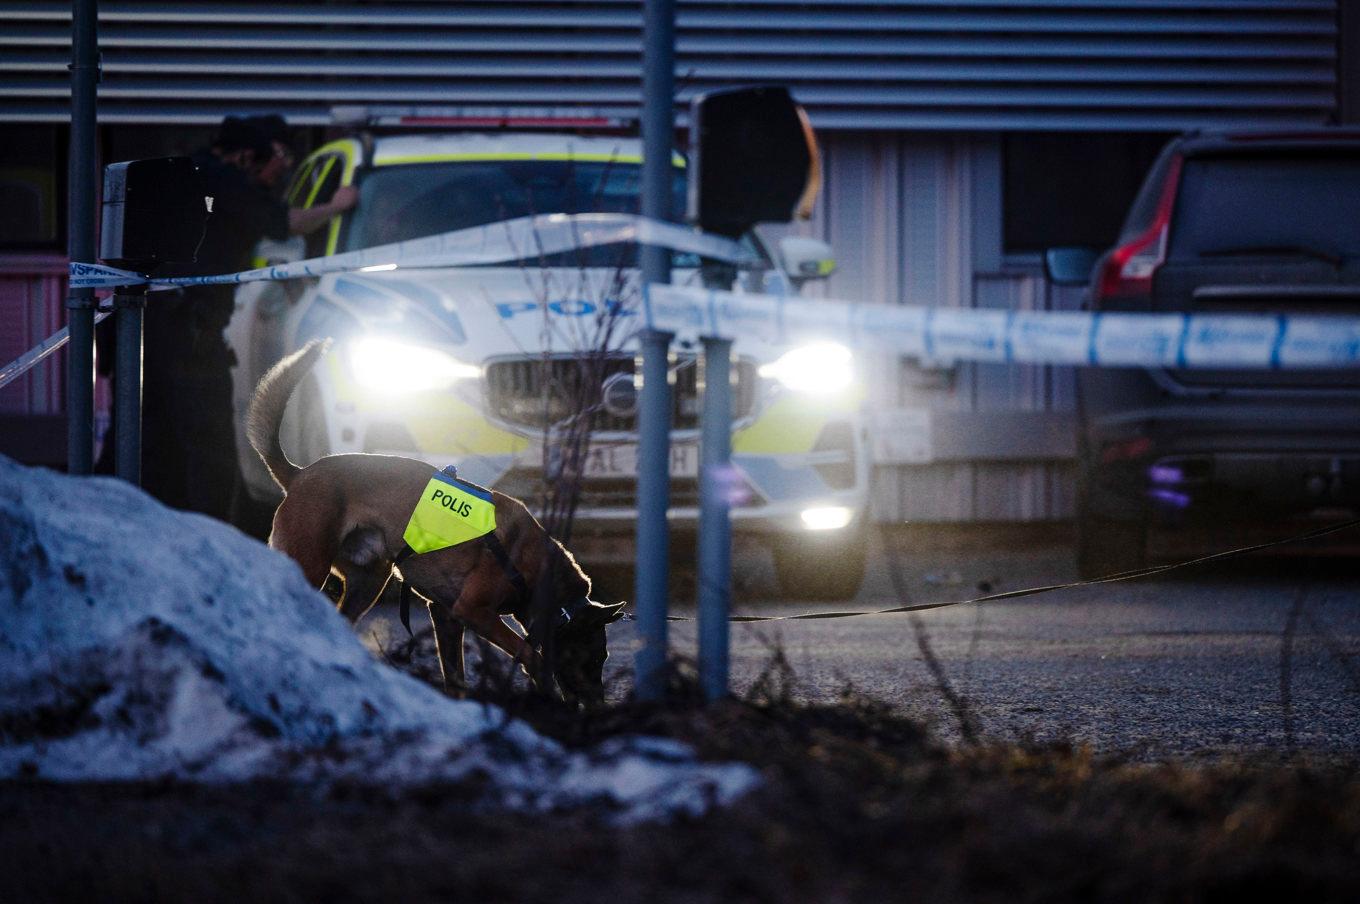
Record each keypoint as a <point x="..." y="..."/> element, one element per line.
<point x="819" y="569"/>
<point x="1106" y="545"/>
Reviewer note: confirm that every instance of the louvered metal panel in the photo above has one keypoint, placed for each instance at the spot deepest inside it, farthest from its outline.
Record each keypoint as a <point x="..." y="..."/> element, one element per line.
<point x="911" y="64"/>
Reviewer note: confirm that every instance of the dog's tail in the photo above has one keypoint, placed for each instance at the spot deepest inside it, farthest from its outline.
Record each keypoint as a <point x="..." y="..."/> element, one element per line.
<point x="266" y="409"/>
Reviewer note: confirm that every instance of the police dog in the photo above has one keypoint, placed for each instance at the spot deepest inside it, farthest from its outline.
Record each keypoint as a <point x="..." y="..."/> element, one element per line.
<point x="345" y="514"/>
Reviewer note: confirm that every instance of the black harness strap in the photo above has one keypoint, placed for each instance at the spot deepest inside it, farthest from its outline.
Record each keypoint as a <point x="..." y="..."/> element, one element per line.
<point x="406" y="591"/>
<point x="493" y="545"/>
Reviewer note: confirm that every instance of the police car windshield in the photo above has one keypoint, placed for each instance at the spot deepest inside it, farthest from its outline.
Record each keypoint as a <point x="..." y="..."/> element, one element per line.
<point x="397" y="203"/>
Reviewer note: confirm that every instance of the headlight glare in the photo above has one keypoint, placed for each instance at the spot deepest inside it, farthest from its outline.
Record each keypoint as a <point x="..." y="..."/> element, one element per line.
<point x="391" y="367"/>
<point x="821" y="368"/>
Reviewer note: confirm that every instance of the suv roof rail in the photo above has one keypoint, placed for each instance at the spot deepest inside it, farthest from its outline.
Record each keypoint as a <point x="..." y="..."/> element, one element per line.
<point x="481" y="117"/>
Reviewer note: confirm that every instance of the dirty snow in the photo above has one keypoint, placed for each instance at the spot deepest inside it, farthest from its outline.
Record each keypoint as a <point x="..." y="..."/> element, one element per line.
<point x="138" y="643"/>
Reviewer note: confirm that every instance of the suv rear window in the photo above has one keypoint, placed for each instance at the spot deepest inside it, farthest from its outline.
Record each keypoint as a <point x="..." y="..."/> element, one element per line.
<point x="1264" y="205"/>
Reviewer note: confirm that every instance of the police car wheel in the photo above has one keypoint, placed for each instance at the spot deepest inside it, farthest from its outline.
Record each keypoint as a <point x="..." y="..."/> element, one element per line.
<point x="818" y="568"/>
<point x="313" y="439"/>
<point x="250" y="517"/>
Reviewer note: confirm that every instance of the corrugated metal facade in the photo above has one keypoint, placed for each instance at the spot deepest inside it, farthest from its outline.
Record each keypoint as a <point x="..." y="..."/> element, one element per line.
<point x="911" y="64"/>
<point x="916" y="220"/>
<point x="910" y="96"/>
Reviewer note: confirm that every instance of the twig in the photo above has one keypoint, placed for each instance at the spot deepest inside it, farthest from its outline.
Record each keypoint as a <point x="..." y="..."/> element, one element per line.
<point x="958" y="703"/>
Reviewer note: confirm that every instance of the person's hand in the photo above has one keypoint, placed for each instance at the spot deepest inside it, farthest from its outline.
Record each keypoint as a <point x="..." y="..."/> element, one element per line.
<point x="345" y="197"/>
<point x="302" y="220"/>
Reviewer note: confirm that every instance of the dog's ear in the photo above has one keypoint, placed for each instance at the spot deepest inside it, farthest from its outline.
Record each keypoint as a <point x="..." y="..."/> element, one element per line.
<point x="607" y="614"/>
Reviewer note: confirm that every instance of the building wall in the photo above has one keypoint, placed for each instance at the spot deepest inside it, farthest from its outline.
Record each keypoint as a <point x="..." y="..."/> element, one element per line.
<point x="857" y="64"/>
<point x="913" y="99"/>
<point x="32" y="287"/>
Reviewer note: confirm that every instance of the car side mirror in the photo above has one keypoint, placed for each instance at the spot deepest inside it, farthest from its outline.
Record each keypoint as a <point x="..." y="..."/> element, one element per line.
<point x="804" y="258"/>
<point x="1069" y="266"/>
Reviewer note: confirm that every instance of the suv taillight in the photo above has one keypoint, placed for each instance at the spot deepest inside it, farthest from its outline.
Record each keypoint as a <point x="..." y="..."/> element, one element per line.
<point x="1128" y="269"/>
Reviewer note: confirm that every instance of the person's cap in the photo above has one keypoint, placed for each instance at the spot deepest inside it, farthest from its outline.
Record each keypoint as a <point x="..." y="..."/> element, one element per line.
<point x="238" y="133"/>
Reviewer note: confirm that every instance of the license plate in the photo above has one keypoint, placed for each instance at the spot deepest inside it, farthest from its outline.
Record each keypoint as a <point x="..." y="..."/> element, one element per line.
<point x="621" y="460"/>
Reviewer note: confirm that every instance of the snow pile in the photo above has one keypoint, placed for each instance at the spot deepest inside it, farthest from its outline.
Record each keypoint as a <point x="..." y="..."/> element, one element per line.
<point x="138" y="642"/>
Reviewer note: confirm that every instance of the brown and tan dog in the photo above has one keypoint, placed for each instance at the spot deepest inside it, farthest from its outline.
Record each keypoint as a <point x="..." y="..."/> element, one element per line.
<point x="345" y="514"/>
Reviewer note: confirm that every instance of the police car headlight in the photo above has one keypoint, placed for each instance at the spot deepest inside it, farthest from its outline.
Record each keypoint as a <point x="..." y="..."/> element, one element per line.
<point x="821" y="368"/>
<point x="390" y="367"/>
<point x="826" y="517"/>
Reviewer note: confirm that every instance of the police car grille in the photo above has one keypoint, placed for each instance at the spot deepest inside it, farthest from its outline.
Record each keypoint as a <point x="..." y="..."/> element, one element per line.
<point x="526" y="484"/>
<point x="535" y="393"/>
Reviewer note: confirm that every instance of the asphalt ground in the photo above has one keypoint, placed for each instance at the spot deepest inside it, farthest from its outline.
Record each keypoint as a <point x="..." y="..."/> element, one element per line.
<point x="1258" y="655"/>
<point x="1254" y="656"/>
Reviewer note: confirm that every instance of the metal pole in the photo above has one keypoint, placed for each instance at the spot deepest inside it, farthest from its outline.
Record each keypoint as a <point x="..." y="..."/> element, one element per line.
<point x="653" y="499"/>
<point x="715" y="529"/>
<point x="81" y="164"/>
<point x="129" y="305"/>
<point x="654" y="415"/>
<point x="658" y="127"/>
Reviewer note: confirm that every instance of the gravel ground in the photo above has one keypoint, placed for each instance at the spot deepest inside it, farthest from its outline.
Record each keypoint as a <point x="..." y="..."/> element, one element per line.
<point x="1259" y="656"/>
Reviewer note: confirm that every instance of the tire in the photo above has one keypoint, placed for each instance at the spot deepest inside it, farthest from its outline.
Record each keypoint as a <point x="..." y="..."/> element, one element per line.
<point x="1107" y="546"/>
<point x="612" y="583"/>
<point x="250" y="517"/>
<point x="817" y="569"/>
<point x="304" y="434"/>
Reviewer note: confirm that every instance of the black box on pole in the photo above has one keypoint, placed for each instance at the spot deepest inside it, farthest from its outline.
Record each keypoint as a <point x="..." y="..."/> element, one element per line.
<point x="755" y="160"/>
<point x="154" y="213"/>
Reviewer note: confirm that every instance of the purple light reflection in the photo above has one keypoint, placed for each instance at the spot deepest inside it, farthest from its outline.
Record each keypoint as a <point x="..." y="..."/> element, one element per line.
<point x="1165" y="474"/>
<point x="1171" y="498"/>
<point x="730" y="484"/>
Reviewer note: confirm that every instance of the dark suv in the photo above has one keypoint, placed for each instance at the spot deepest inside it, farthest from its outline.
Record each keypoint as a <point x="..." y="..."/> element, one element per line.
<point x="1226" y="222"/>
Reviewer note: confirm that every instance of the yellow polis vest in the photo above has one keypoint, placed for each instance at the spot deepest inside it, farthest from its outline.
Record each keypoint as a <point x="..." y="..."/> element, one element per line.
<point x="450" y="511"/>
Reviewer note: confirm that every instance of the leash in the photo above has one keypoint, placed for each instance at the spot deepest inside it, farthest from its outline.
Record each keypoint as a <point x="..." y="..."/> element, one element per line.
<point x="1047" y="588"/>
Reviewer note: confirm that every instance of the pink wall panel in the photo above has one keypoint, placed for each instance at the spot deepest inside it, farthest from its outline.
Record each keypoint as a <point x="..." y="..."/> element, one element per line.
<point x="32" y="300"/>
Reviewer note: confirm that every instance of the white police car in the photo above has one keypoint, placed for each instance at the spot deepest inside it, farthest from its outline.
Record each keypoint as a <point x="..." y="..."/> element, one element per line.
<point x="463" y="366"/>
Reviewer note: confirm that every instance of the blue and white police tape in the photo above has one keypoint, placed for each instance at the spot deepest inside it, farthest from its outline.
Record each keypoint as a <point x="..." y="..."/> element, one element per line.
<point x="30" y="359"/>
<point x="526" y="238"/>
<point x="523" y="239"/>
<point x="1113" y="339"/>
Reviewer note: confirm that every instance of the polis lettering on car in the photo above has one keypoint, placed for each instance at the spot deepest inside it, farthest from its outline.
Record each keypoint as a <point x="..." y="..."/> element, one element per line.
<point x="569" y="308"/>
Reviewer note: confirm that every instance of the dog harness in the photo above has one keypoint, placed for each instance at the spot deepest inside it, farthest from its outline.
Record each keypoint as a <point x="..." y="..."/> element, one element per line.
<point x="451" y="512"/>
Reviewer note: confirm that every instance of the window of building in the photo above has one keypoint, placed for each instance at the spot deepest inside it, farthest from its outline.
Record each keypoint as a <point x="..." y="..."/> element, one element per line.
<point x="1070" y="188"/>
<point x="32" y="182"/>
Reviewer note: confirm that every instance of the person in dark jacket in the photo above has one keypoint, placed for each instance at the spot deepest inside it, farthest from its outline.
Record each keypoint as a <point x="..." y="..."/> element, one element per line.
<point x="188" y="439"/>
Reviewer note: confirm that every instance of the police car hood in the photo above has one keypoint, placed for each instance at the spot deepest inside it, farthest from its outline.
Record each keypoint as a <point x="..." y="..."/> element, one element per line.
<point x="481" y="313"/>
